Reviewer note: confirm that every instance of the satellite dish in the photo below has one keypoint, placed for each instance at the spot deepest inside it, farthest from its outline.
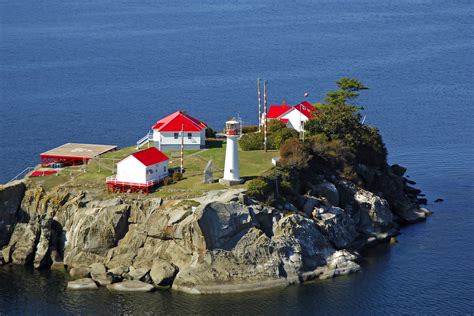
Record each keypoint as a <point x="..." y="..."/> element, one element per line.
<point x="306" y="94"/>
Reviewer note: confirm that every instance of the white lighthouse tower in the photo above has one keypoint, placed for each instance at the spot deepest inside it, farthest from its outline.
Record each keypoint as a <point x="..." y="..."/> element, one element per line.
<point x="231" y="167"/>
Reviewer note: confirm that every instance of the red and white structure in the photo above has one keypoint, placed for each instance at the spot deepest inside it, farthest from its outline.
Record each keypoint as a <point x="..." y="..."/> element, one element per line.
<point x="179" y="128"/>
<point x="231" y="165"/>
<point x="139" y="171"/>
<point x="293" y="116"/>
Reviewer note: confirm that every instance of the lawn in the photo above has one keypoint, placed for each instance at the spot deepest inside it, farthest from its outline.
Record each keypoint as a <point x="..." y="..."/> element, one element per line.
<point x="252" y="164"/>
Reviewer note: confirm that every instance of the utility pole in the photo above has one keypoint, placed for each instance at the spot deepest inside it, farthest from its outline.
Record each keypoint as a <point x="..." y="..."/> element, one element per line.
<point x="259" y="106"/>
<point x="265" y="115"/>
<point x="182" y="148"/>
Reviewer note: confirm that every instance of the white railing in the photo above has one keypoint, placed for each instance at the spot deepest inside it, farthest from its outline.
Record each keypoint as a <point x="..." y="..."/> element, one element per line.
<point x="145" y="140"/>
<point x="21" y="174"/>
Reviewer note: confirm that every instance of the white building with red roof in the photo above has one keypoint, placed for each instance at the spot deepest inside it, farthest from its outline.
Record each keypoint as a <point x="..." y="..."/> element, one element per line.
<point x="167" y="132"/>
<point x="293" y="116"/>
<point x="140" y="171"/>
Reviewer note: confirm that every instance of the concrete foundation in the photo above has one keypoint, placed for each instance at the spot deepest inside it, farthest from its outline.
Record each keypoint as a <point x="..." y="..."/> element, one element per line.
<point x="230" y="182"/>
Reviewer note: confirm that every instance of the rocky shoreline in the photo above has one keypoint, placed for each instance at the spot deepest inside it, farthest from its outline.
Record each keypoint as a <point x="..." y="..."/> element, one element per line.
<point x="221" y="242"/>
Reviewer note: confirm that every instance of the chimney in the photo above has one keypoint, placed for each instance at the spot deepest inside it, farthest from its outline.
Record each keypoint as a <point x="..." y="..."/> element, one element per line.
<point x="283" y="103"/>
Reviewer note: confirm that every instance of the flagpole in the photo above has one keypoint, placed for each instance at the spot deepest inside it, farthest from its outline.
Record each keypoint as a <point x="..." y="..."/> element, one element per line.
<point x="265" y="115"/>
<point x="259" y="106"/>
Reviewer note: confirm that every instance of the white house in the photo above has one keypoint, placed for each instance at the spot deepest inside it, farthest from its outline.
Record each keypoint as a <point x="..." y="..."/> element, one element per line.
<point x="145" y="167"/>
<point x="167" y="132"/>
<point x="293" y="116"/>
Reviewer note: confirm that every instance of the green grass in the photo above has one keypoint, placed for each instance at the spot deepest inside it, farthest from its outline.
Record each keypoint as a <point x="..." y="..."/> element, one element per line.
<point x="252" y="164"/>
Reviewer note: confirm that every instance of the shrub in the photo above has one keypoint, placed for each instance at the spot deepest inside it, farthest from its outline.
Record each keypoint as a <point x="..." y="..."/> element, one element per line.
<point x="177" y="176"/>
<point x="275" y="125"/>
<point x="249" y="129"/>
<point x="283" y="135"/>
<point x="167" y="181"/>
<point x="210" y="133"/>
<point x="294" y="155"/>
<point x="258" y="188"/>
<point x="253" y="141"/>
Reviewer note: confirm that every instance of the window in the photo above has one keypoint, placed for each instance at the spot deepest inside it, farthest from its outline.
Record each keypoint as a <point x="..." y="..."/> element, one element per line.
<point x="190" y="135"/>
<point x="176" y="135"/>
<point x="149" y="171"/>
<point x="164" y="169"/>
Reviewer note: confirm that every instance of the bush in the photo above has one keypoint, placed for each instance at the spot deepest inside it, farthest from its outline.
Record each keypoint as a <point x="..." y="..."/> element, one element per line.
<point x="258" y="188"/>
<point x="167" y="181"/>
<point x="283" y="135"/>
<point x="275" y="126"/>
<point x="253" y="141"/>
<point x="210" y="133"/>
<point x="294" y="155"/>
<point x="249" y="129"/>
<point x="177" y="176"/>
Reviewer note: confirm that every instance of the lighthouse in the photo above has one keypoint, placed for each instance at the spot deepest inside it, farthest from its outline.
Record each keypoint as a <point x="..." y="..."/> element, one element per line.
<point x="231" y="166"/>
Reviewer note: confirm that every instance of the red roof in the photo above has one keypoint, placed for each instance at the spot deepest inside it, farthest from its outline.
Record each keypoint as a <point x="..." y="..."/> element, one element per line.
<point x="284" y="120"/>
<point x="178" y="121"/>
<point x="306" y="109"/>
<point x="275" y="111"/>
<point x="150" y="156"/>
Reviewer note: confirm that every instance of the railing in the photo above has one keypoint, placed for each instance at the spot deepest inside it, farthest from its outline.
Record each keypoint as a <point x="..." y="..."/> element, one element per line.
<point x="145" y="140"/>
<point x="113" y="179"/>
<point x="21" y="174"/>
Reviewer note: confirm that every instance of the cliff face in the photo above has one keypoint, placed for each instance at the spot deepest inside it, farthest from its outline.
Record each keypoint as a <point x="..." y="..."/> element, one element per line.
<point x="227" y="243"/>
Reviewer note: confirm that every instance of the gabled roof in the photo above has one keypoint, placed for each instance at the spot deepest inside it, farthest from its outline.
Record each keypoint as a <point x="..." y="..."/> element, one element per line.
<point x="306" y="109"/>
<point x="275" y="111"/>
<point x="178" y="121"/>
<point x="150" y="156"/>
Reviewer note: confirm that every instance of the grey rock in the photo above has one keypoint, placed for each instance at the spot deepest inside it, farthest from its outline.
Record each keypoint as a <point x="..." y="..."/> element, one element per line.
<point x="137" y="274"/>
<point x="130" y="286"/>
<point x="11" y="196"/>
<point x="97" y="268"/>
<point x="337" y="225"/>
<point x="329" y="191"/>
<point x="21" y="248"/>
<point x="162" y="272"/>
<point x="79" y="272"/>
<point x="82" y="284"/>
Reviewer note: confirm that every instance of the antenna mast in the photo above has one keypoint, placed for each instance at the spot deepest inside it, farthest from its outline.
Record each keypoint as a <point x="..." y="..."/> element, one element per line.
<point x="265" y="115"/>
<point x="259" y="106"/>
<point x="182" y="148"/>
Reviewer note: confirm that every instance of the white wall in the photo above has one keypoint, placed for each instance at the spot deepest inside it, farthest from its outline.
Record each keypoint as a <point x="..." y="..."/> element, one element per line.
<point x="295" y="117"/>
<point x="131" y="170"/>
<point x="157" y="172"/>
<point x="167" y="138"/>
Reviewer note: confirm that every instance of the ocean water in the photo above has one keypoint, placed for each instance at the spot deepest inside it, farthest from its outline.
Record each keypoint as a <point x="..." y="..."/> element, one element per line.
<point x="104" y="71"/>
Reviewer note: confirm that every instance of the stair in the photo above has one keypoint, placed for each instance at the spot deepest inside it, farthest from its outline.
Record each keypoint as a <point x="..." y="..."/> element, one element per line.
<point x="144" y="140"/>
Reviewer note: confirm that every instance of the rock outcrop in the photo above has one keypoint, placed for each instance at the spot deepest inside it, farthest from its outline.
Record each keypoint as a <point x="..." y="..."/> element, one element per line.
<point x="220" y="242"/>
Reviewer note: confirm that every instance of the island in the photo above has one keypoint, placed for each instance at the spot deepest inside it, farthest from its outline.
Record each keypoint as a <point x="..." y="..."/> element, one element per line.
<point x="313" y="198"/>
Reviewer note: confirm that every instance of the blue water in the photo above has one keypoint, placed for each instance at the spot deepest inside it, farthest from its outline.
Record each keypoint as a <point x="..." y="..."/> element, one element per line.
<point x="104" y="71"/>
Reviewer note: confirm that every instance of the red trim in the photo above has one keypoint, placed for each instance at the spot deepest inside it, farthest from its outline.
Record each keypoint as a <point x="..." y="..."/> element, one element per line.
<point x="131" y="187"/>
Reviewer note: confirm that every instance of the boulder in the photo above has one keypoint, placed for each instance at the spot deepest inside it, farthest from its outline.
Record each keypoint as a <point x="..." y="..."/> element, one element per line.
<point x="329" y="191"/>
<point x="21" y="248"/>
<point x="42" y="257"/>
<point x="340" y="263"/>
<point x="337" y="225"/>
<point x="11" y="196"/>
<point x="82" y="284"/>
<point x="162" y="272"/>
<point x="130" y="286"/>
<point x="79" y="272"/>
<point x="104" y="279"/>
<point x="137" y="274"/>
<point x="398" y="170"/>
<point x="97" y="268"/>
<point x="222" y="225"/>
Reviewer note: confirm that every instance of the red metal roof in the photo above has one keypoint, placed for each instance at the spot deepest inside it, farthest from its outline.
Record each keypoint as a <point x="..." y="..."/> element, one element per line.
<point x="306" y="109"/>
<point x="177" y="121"/>
<point x="284" y="120"/>
<point x="275" y="111"/>
<point x="150" y="156"/>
